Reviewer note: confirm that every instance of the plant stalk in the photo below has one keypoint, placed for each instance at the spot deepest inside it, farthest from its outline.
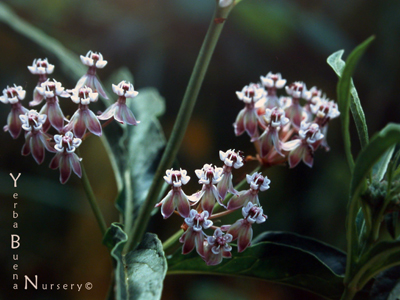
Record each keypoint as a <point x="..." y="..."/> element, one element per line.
<point x="217" y="23"/>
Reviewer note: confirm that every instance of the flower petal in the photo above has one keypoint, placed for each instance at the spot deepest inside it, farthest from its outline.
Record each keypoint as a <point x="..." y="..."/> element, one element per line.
<point x="181" y="202"/>
<point x="55" y="115"/>
<point x="92" y="123"/>
<point x="244" y="238"/>
<point x="108" y="113"/>
<point x="65" y="169"/>
<point x="239" y="200"/>
<point x="75" y="163"/>
<point x="55" y="162"/>
<point x="239" y="123"/>
<point x="37" y="148"/>
<point x="167" y="207"/>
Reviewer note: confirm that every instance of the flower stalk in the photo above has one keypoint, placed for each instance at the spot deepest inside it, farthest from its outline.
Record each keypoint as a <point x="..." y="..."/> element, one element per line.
<point x="215" y="28"/>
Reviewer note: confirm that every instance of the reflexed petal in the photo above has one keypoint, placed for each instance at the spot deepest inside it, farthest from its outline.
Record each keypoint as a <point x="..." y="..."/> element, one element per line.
<point x="45" y="138"/>
<point x="276" y="142"/>
<point x="295" y="156"/>
<point x="235" y="229"/>
<point x="65" y="169"/>
<point x="55" y="116"/>
<point x="199" y="239"/>
<point x="37" y="98"/>
<point x="82" y="81"/>
<point x="182" y="203"/>
<point x="26" y="149"/>
<point x="55" y="162"/>
<point x="118" y="114"/>
<point x="37" y="148"/>
<point x="223" y="186"/>
<point x="75" y="164"/>
<point x="212" y="259"/>
<point x="108" y="113"/>
<point x="14" y="123"/>
<point x="91" y="122"/>
<point x="266" y="143"/>
<point x="226" y="254"/>
<point x="239" y="201"/>
<point x="167" y="207"/>
<point x="128" y="116"/>
<point x="189" y="241"/>
<point x="245" y="237"/>
<point x="239" y="123"/>
<point x="99" y="88"/>
<point x="250" y="122"/>
<point x="79" y="127"/>
<point x="291" y="145"/>
<point x="196" y="196"/>
<point x="208" y="201"/>
<point x="308" y="157"/>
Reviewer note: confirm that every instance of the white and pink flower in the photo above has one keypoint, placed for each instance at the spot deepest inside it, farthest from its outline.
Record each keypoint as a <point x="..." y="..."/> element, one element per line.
<point x="119" y="110"/>
<point x="231" y="160"/>
<point x="217" y="247"/>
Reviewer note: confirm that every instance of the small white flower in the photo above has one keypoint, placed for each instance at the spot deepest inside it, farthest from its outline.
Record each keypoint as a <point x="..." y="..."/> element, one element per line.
<point x="253" y="213"/>
<point x="298" y="90"/>
<point x="66" y="142"/>
<point x="50" y="89"/>
<point x="258" y="182"/>
<point x="84" y="95"/>
<point x="251" y="93"/>
<point x="209" y="175"/>
<point x="310" y="132"/>
<point x="32" y="120"/>
<point x="124" y="89"/>
<point x="13" y="94"/>
<point x="231" y="158"/>
<point x="93" y="59"/>
<point x="176" y="178"/>
<point x="273" y="80"/>
<point x="276" y="117"/>
<point x="41" y="66"/>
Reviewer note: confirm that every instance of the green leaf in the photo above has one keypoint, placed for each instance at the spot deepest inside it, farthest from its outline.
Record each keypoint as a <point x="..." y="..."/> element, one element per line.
<point x="146" y="269"/>
<point x="379" y="169"/>
<point x="391" y="221"/>
<point x="307" y="264"/>
<point x="337" y="64"/>
<point x="368" y="157"/>
<point x="343" y="95"/>
<point x="139" y="275"/>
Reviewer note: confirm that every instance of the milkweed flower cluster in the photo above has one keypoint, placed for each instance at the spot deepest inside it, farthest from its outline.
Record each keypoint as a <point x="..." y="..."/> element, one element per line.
<point x="197" y="209"/>
<point x="67" y="134"/>
<point x="288" y="128"/>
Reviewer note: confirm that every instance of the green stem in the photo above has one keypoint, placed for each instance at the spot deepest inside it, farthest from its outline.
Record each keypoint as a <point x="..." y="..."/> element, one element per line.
<point x="348" y="294"/>
<point x="172" y="240"/>
<point x="92" y="201"/>
<point x="136" y="233"/>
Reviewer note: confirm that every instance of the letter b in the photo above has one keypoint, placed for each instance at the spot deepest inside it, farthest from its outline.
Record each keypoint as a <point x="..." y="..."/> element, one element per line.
<point x="15" y="241"/>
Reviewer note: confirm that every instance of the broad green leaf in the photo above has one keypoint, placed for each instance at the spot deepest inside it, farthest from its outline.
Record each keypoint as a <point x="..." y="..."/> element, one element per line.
<point x="343" y="95"/>
<point x="139" y="275"/>
<point x="146" y="269"/>
<point x="379" y="169"/>
<point x="305" y="265"/>
<point x="337" y="64"/>
<point x="370" y="155"/>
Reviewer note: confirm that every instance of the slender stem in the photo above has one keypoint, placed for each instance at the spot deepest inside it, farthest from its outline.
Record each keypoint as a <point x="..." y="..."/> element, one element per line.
<point x="221" y="214"/>
<point x="92" y="201"/>
<point x="136" y="233"/>
<point x="172" y="240"/>
<point x="348" y="294"/>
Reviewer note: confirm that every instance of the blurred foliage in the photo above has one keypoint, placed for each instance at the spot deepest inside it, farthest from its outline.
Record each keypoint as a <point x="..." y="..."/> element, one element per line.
<point x="158" y="41"/>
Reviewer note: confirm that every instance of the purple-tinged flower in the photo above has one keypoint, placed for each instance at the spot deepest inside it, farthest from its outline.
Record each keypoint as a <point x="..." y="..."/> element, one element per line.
<point x="231" y="160"/>
<point x="295" y="114"/>
<point x="119" y="110"/>
<point x="302" y="148"/>
<point x="176" y="198"/>
<point x="272" y="82"/>
<point x="36" y="141"/>
<point x="217" y="247"/>
<point x="241" y="229"/>
<point x="257" y="183"/>
<point x="247" y="118"/>
<point x="50" y="90"/>
<point x="273" y="120"/>
<point x="42" y="68"/>
<point x="65" y="159"/>
<point x="13" y="95"/>
<point x="84" y="118"/>
<point x="208" y="177"/>
<point x="94" y="61"/>
<point x="194" y="235"/>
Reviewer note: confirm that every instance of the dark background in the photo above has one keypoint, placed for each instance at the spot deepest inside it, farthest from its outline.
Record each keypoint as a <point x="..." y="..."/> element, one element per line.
<point x="159" y="41"/>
